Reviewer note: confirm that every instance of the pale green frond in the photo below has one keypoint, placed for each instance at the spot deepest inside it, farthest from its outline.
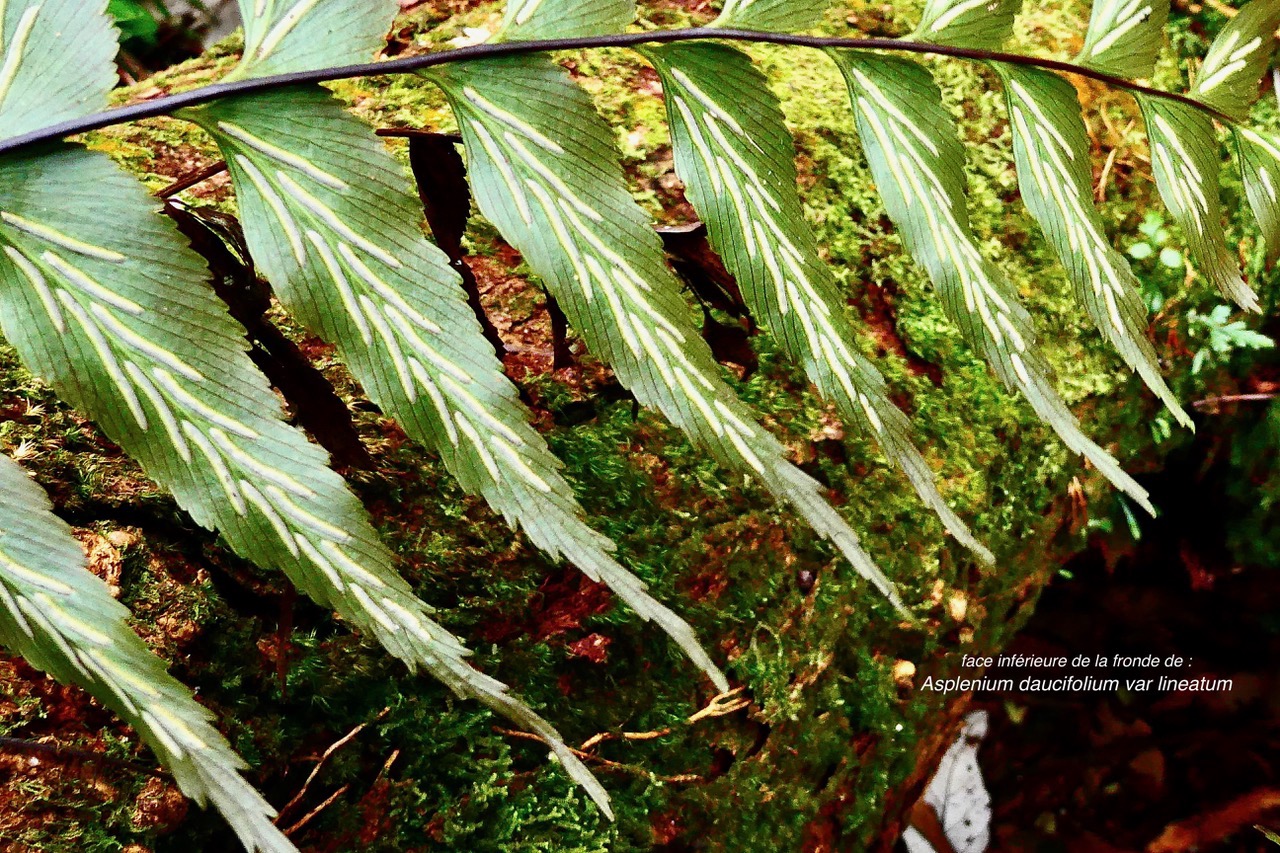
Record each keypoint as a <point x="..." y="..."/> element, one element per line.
<point x="62" y="619"/>
<point x="299" y="35"/>
<point x="737" y="161"/>
<point x="1259" y="156"/>
<point x="1055" y="172"/>
<point x="968" y="23"/>
<point x="774" y="16"/>
<point x="546" y="173"/>
<point x="333" y="224"/>
<point x="56" y="62"/>
<point x="1232" y="71"/>
<point x="531" y="20"/>
<point x="1185" y="160"/>
<point x="101" y="297"/>
<point x="1125" y="36"/>
<point x="917" y="160"/>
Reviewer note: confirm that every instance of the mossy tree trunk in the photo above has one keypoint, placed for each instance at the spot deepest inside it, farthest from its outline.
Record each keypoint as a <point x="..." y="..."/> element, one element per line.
<point x="836" y="741"/>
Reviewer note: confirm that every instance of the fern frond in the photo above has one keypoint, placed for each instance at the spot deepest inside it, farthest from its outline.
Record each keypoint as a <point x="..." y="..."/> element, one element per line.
<point x="546" y="173"/>
<point x="743" y="184"/>
<point x="42" y="82"/>
<point x="1186" y="163"/>
<point x="63" y="620"/>
<point x="916" y="158"/>
<point x="332" y="223"/>
<point x="968" y="23"/>
<point x="1229" y="78"/>
<point x="1124" y="37"/>
<point x="1259" y="157"/>
<point x="530" y="20"/>
<point x="1051" y="148"/>
<point x="287" y="35"/>
<point x="101" y="297"/>
<point x="774" y="16"/>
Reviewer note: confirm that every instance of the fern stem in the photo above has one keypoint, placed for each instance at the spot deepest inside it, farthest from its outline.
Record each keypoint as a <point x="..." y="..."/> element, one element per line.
<point x="171" y="103"/>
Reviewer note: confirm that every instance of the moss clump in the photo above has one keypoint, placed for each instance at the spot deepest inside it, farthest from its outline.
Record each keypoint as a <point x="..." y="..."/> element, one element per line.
<point x="823" y="751"/>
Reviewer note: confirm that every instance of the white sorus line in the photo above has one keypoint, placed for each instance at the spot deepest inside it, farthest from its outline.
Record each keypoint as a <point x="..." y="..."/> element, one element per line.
<point x="33" y="274"/>
<point x="418" y="345"/>
<point x="106" y="355"/>
<point x="1028" y="102"/>
<point x="198" y="406"/>
<point x="521" y="12"/>
<point x="1235" y="62"/>
<point x="874" y="94"/>
<point x="511" y="121"/>
<point x="708" y="103"/>
<point x="11" y="607"/>
<point x="13" y="56"/>
<point x="478" y="443"/>
<point x="92" y="288"/>
<point x="386" y="291"/>
<point x="490" y="146"/>
<point x="12" y="567"/>
<point x="563" y="237"/>
<point x="519" y="464"/>
<point x="69" y="621"/>
<point x="957" y="11"/>
<point x="269" y="513"/>
<point x="52" y="235"/>
<point x="318" y="560"/>
<point x="392" y="345"/>
<point x="217" y="465"/>
<point x="566" y="193"/>
<point x="339" y="279"/>
<point x="279" y="154"/>
<point x="38" y="618"/>
<point x="304" y="517"/>
<point x="277" y="205"/>
<point x="257" y="467"/>
<point x="475" y="408"/>
<point x="1122" y="21"/>
<point x="286" y="24"/>
<point x="330" y="218"/>
<point x="699" y="142"/>
<point x="437" y="399"/>
<point x="141" y="344"/>
<point x="162" y="409"/>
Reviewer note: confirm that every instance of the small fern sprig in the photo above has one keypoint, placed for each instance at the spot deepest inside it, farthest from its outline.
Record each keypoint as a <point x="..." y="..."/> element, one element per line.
<point x="100" y="295"/>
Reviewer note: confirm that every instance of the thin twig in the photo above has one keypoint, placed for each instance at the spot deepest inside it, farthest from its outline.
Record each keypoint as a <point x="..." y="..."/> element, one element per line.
<point x="309" y="815"/>
<point x="315" y="771"/>
<point x="605" y="762"/>
<point x="172" y="103"/>
<point x="69" y="755"/>
<point x="186" y="183"/>
<point x="1233" y="398"/>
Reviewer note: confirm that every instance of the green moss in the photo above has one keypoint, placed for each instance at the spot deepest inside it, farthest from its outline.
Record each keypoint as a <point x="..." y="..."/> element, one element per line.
<point x="828" y="734"/>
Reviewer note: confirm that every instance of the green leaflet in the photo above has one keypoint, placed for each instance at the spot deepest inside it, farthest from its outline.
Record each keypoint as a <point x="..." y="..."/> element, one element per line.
<point x="968" y="23"/>
<point x="1259" y="156"/>
<point x="332" y="223"/>
<point x="63" y="620"/>
<point x="1051" y="147"/>
<point x="546" y="173"/>
<point x="43" y="81"/>
<point x="102" y="298"/>
<point x="1185" y="161"/>
<point x="530" y="20"/>
<point x="1124" y="37"/>
<point x="291" y="35"/>
<point x="918" y="163"/>
<point x="743" y="185"/>
<point x="778" y="16"/>
<point x="1237" y="59"/>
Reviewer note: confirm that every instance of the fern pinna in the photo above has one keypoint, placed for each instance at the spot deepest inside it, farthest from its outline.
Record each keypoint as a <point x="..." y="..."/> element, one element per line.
<point x="101" y="296"/>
